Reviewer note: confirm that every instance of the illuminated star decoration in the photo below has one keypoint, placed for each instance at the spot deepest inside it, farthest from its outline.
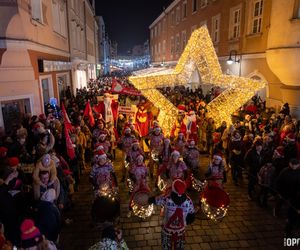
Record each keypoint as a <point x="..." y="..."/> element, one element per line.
<point x="199" y="54"/>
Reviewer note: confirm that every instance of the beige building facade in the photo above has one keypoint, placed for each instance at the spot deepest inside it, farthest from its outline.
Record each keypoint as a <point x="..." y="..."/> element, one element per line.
<point x="34" y="56"/>
<point x="262" y="37"/>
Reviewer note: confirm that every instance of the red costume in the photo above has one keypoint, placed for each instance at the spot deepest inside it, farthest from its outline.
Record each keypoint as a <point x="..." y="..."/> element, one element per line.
<point x="143" y="118"/>
<point x="108" y="108"/>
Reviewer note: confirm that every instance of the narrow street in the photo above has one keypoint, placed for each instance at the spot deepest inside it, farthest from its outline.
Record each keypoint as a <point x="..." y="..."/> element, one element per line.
<point x="246" y="226"/>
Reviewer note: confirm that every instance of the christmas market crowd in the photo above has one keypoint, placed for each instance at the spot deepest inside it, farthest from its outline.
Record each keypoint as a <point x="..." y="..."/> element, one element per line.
<point x="44" y="157"/>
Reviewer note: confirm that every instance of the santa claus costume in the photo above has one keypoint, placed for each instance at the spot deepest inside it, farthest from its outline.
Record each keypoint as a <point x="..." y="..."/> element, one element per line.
<point x="108" y="108"/>
<point x="192" y="129"/>
<point x="143" y="118"/>
<point x="178" y="212"/>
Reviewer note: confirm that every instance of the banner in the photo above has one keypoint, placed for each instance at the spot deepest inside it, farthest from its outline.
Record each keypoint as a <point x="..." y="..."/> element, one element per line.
<point x="67" y="121"/>
<point x="89" y="113"/>
<point x="127" y="110"/>
<point x="120" y="88"/>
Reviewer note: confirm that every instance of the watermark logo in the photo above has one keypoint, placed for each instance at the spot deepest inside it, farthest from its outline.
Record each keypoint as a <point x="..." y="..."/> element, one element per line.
<point x="291" y="242"/>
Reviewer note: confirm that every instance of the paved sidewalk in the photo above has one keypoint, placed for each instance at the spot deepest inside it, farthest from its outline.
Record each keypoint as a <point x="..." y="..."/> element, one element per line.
<point x="246" y="226"/>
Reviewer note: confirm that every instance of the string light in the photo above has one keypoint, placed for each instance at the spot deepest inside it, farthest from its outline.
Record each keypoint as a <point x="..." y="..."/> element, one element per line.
<point x="142" y="211"/>
<point x="197" y="184"/>
<point x="198" y="54"/>
<point x="106" y="191"/>
<point x="213" y="213"/>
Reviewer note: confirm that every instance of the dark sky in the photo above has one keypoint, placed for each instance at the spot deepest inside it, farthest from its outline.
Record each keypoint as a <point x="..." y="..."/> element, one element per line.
<point x="127" y="21"/>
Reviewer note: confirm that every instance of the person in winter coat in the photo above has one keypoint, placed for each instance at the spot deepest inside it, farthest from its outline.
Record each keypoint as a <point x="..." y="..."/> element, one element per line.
<point x="47" y="216"/>
<point x="236" y="156"/>
<point x="254" y="161"/>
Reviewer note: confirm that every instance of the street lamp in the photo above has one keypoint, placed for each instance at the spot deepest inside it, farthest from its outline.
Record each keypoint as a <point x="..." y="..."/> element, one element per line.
<point x="233" y="57"/>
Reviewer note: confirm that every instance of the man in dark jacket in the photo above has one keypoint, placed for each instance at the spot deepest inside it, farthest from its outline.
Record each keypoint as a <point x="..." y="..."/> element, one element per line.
<point x="288" y="187"/>
<point x="47" y="217"/>
<point x="254" y="161"/>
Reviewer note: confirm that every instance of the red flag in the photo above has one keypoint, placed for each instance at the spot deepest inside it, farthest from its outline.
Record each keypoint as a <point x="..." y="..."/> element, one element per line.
<point x="88" y="112"/>
<point x="69" y="144"/>
<point x="67" y="122"/>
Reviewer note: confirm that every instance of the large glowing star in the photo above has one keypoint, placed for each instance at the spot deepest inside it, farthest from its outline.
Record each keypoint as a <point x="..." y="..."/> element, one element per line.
<point x="199" y="54"/>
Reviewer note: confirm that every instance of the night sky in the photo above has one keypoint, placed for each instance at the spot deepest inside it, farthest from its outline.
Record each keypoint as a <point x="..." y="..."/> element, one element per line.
<point x="127" y="21"/>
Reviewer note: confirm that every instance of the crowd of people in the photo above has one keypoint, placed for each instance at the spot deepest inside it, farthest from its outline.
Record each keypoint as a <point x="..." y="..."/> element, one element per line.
<point x="43" y="158"/>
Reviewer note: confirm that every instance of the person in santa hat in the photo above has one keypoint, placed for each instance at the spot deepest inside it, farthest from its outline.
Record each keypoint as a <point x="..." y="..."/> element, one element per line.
<point x="179" y="212"/>
<point x="216" y="170"/>
<point x="103" y="143"/>
<point x="102" y="173"/>
<point x="99" y="128"/>
<point x="156" y="146"/>
<point x="192" y="129"/>
<point x="134" y="152"/>
<point x="180" y="143"/>
<point x="125" y="143"/>
<point x="108" y="108"/>
<point x="176" y="168"/>
<point x="138" y="174"/>
<point x="192" y="158"/>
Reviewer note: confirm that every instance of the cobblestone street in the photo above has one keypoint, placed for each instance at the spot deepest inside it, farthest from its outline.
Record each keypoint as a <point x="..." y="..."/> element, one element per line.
<point x="247" y="226"/>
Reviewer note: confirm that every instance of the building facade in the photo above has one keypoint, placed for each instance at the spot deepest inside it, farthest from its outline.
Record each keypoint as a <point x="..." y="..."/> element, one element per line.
<point x="83" y="29"/>
<point x="34" y="57"/>
<point x="259" y="35"/>
<point x="103" y="47"/>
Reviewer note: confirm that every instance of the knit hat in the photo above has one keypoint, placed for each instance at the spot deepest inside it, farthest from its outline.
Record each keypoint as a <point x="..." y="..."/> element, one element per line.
<point x="101" y="154"/>
<point x="49" y="195"/>
<point x="157" y="129"/>
<point x="3" y="151"/>
<point x="30" y="234"/>
<point x="178" y="187"/>
<point x="46" y="159"/>
<point x="135" y="141"/>
<point x="127" y="130"/>
<point x="13" y="161"/>
<point x="280" y="150"/>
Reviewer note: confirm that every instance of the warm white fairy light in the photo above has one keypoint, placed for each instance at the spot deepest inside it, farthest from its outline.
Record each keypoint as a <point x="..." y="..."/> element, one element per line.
<point x="142" y="211"/>
<point x="198" y="54"/>
<point x="213" y="213"/>
<point x="197" y="184"/>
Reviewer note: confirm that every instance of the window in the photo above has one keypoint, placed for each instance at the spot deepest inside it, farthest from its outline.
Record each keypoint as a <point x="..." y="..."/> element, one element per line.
<point x="177" y="15"/>
<point x="155" y="46"/>
<point x="172" y="45"/>
<point x="297" y="9"/>
<point x="164" y="25"/>
<point x="159" y="47"/>
<point x="37" y="10"/>
<point x="194" y="6"/>
<point x="203" y="3"/>
<point x="151" y="34"/>
<point x="152" y="52"/>
<point x="183" y="39"/>
<point x="164" y="47"/>
<point x="173" y="18"/>
<point x="184" y="9"/>
<point x="177" y="44"/>
<point x="155" y="31"/>
<point x="158" y="29"/>
<point x="59" y="17"/>
<point x="257" y="16"/>
<point x="235" y="22"/>
<point x="215" y="31"/>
